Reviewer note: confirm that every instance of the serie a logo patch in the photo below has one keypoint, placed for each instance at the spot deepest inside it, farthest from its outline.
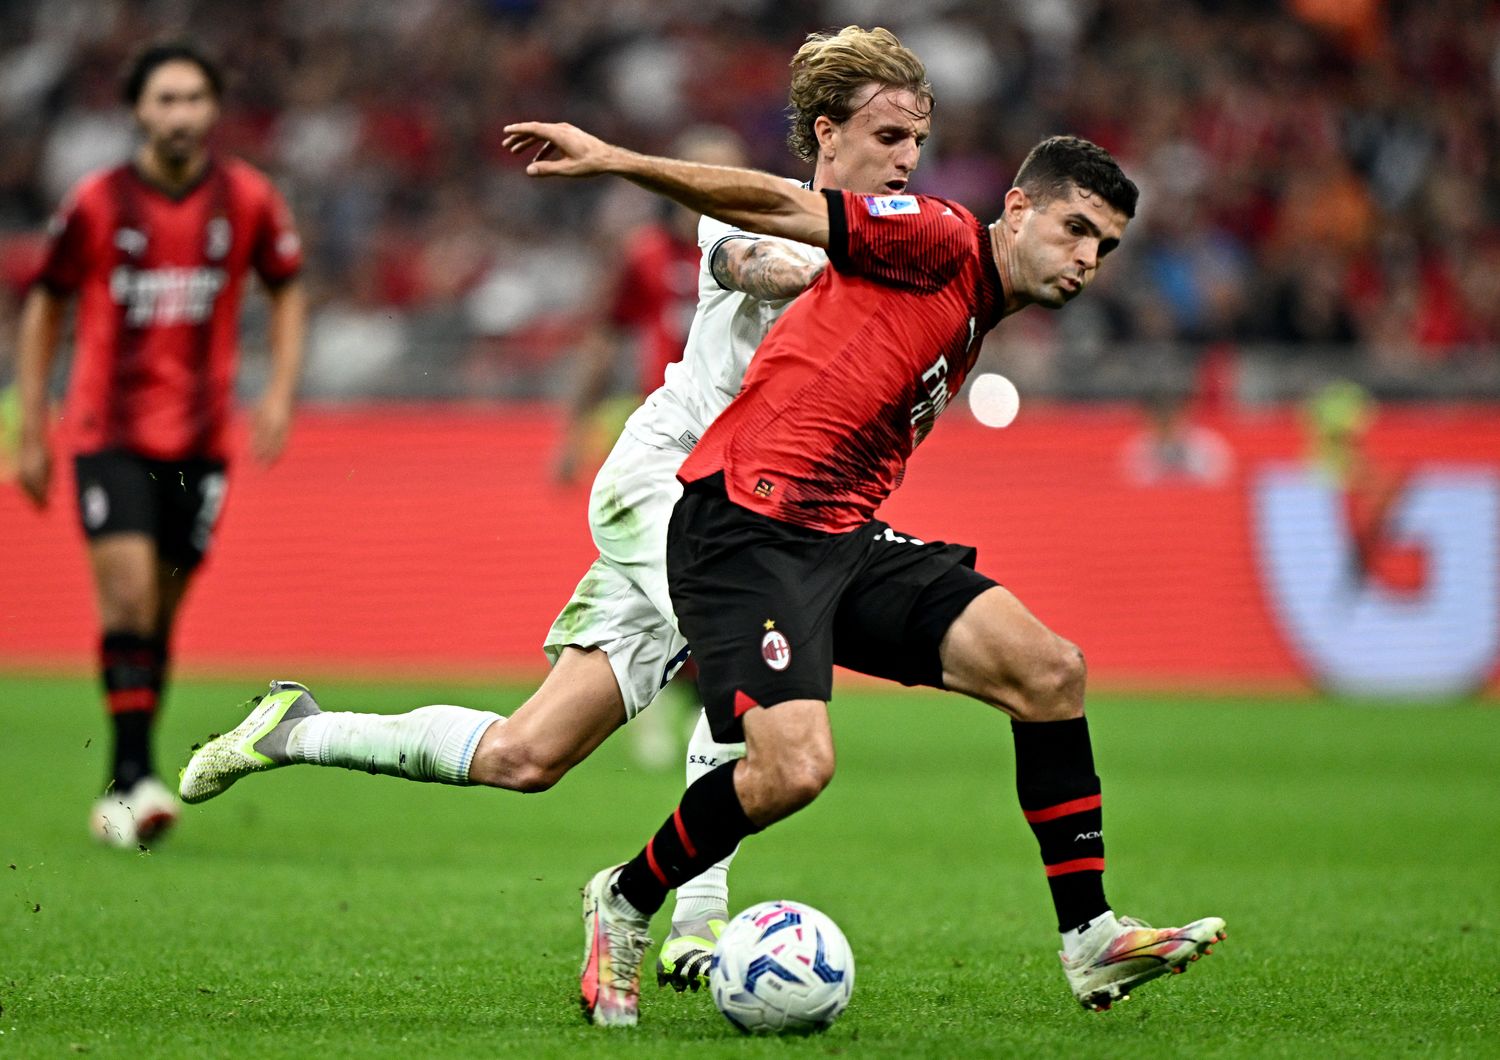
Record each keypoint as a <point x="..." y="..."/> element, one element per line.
<point x="890" y="205"/>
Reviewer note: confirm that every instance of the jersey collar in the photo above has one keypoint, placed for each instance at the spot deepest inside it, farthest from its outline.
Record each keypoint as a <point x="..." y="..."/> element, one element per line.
<point x="179" y="194"/>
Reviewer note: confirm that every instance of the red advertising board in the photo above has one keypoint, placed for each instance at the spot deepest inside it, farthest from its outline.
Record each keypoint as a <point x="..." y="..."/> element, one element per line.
<point x="430" y="539"/>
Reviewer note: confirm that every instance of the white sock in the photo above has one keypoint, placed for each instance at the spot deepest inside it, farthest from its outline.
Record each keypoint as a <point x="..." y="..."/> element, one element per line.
<point x="429" y="744"/>
<point x="706" y="894"/>
<point x="1074" y="941"/>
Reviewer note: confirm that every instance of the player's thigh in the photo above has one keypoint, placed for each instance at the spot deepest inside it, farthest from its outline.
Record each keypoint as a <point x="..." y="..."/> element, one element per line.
<point x="191" y="496"/>
<point x="119" y="511"/>
<point x="611" y="613"/>
<point x="117" y="494"/>
<point x="1001" y="653"/>
<point x="630" y="506"/>
<point x="892" y="621"/>
<point x="124" y="568"/>
<point x="756" y="600"/>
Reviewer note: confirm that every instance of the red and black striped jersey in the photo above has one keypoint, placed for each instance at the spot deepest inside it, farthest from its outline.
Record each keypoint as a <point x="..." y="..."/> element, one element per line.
<point x="852" y="377"/>
<point x="159" y="279"/>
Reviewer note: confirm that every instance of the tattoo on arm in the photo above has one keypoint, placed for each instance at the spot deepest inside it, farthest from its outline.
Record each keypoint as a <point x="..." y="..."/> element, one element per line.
<point x="762" y="268"/>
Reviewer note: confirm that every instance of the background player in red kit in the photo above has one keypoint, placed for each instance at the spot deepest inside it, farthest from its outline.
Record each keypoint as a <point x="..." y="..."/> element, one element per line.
<point x="156" y="250"/>
<point x="778" y="569"/>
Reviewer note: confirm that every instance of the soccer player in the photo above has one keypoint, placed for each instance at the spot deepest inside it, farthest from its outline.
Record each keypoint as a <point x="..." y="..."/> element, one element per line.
<point x="778" y="569"/>
<point x="156" y="250"/>
<point x="860" y="106"/>
<point x="652" y="302"/>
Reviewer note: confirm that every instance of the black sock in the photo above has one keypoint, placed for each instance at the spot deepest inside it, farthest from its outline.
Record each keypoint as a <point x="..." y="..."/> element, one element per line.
<point x="1060" y="796"/>
<point x="132" y="668"/>
<point x="707" y="825"/>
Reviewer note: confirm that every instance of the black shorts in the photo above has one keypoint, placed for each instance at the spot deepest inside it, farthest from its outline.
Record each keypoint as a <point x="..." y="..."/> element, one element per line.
<point x="770" y="608"/>
<point x="174" y="502"/>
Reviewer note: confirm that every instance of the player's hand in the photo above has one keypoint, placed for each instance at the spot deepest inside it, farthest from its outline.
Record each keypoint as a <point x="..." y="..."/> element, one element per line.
<point x="562" y="150"/>
<point x="34" y="470"/>
<point x="270" y="425"/>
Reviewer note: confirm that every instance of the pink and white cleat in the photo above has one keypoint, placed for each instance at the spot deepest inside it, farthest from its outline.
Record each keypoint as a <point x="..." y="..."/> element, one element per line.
<point x="1117" y="957"/>
<point x="614" y="946"/>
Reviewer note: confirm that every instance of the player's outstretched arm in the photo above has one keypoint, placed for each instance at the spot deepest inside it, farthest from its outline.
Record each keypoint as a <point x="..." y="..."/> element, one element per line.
<point x="746" y="198"/>
<point x="762" y="269"/>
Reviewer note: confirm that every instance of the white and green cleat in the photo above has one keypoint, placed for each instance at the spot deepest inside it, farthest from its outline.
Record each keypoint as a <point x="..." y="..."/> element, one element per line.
<point x="686" y="956"/>
<point x="256" y="744"/>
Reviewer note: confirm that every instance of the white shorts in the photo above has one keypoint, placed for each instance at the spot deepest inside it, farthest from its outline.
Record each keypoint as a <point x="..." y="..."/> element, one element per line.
<point x="622" y="604"/>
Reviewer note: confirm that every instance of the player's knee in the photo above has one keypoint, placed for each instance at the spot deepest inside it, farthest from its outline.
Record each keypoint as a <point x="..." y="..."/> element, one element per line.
<point x="803" y="777"/>
<point x="505" y="759"/>
<point x="127" y="605"/>
<point x="1054" y="685"/>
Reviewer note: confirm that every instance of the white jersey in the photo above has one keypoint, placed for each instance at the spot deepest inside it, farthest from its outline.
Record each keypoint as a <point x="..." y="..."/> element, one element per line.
<point x="623" y="603"/>
<point x="726" y="329"/>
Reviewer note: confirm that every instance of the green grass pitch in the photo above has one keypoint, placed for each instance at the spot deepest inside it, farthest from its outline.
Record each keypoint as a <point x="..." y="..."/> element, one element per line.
<point x="1354" y="852"/>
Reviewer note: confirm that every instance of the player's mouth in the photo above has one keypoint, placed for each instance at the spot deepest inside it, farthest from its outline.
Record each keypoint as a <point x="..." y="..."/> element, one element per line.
<point x="895" y="187"/>
<point x="1071" y="284"/>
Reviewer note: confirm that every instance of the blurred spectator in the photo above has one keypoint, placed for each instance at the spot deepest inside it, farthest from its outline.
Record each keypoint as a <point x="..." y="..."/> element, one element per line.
<point x="1172" y="450"/>
<point x="1316" y="175"/>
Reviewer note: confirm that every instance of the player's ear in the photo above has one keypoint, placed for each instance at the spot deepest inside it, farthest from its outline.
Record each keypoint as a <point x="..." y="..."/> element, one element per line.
<point x="1017" y="202"/>
<point x="825" y="129"/>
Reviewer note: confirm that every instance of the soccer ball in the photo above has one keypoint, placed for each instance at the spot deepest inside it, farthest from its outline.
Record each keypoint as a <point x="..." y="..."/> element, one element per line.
<point x="781" y="968"/>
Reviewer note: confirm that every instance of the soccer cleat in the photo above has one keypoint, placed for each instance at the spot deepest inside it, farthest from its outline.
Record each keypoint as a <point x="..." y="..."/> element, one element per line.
<point x="613" y="949"/>
<point x="135" y="818"/>
<point x="685" y="957"/>
<point x="1135" y="953"/>
<point x="255" y="744"/>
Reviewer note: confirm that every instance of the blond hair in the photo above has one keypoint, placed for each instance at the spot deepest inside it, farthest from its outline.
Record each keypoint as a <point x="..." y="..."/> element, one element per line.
<point x="830" y="70"/>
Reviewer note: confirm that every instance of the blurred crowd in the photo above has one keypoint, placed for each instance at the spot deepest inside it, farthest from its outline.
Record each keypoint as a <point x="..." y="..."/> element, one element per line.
<point x="1320" y="178"/>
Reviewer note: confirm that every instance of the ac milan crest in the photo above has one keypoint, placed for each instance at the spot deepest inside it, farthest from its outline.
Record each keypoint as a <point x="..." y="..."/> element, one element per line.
<point x="775" y="650"/>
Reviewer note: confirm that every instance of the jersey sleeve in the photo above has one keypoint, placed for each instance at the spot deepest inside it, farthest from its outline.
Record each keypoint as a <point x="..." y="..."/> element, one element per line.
<point x="66" y="260"/>
<point x="912" y="241"/>
<point x="278" y="249"/>
<point x="713" y="234"/>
